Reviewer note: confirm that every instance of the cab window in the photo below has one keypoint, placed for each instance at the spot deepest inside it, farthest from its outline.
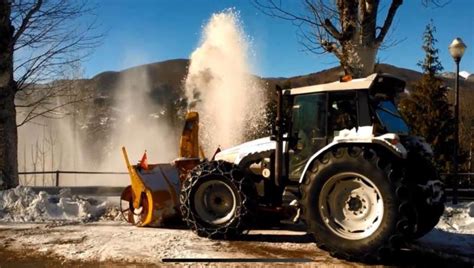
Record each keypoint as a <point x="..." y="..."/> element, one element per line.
<point x="342" y="112"/>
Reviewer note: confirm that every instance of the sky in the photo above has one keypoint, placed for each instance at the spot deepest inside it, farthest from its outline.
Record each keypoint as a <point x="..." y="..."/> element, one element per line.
<point x="147" y="31"/>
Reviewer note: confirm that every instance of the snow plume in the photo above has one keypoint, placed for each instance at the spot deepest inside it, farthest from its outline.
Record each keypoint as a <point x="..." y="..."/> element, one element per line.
<point x="49" y="144"/>
<point x="139" y="124"/>
<point x="69" y="143"/>
<point x="90" y="134"/>
<point x="219" y="84"/>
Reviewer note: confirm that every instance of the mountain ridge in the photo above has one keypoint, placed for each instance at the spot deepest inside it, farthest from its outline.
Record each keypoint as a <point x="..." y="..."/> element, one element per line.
<point x="178" y="67"/>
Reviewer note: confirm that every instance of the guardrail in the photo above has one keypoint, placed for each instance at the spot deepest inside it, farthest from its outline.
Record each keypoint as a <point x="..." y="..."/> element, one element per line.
<point x="82" y="190"/>
<point x="58" y="172"/>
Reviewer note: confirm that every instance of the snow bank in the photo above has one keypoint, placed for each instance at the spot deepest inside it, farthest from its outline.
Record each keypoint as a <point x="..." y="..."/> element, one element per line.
<point x="22" y="204"/>
<point x="458" y="218"/>
<point x="454" y="234"/>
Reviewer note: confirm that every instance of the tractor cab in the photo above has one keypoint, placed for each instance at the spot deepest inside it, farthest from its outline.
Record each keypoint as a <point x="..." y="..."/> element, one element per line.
<point x="321" y="113"/>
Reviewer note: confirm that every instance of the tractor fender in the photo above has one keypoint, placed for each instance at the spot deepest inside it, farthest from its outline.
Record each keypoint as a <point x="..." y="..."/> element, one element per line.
<point x="238" y="153"/>
<point x="388" y="142"/>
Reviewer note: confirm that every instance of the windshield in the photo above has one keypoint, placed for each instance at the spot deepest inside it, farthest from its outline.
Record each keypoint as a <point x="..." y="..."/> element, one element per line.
<point x="390" y="118"/>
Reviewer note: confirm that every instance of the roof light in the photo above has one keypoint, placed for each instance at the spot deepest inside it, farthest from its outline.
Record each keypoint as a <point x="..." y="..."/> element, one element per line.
<point x="345" y="78"/>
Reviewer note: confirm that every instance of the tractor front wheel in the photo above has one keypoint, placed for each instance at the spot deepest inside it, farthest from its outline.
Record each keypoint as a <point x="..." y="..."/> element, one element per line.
<point x="216" y="200"/>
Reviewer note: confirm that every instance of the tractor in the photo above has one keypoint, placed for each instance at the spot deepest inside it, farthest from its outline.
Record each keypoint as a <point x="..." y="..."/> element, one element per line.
<point x="360" y="182"/>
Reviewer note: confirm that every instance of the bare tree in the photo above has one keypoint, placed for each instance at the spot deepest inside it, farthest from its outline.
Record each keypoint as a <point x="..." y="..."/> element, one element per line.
<point x="25" y="177"/>
<point x="38" y="38"/>
<point x="347" y="29"/>
<point x="34" y="159"/>
<point x="51" y="140"/>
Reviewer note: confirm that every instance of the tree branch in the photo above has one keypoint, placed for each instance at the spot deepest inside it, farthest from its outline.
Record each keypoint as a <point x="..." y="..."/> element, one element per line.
<point x="388" y="21"/>
<point x="32" y="114"/>
<point x="329" y="27"/>
<point x="26" y="20"/>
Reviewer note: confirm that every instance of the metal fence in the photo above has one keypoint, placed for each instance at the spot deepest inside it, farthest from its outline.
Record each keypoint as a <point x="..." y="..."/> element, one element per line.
<point x="57" y="173"/>
<point x="464" y="192"/>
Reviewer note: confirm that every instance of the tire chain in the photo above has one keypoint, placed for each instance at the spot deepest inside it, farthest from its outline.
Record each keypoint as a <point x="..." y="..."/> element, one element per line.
<point x="432" y="189"/>
<point x="406" y="222"/>
<point x="427" y="194"/>
<point x="213" y="168"/>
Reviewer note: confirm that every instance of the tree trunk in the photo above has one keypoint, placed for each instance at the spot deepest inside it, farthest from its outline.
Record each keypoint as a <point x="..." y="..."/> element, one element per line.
<point x="358" y="60"/>
<point x="8" y="129"/>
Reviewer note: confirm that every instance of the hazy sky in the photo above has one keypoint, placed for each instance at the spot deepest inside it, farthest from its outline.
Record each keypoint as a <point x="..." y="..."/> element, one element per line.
<point x="146" y="31"/>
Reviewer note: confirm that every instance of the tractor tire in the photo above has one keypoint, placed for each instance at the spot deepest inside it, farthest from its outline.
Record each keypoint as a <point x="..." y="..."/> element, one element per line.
<point x="429" y="215"/>
<point x="216" y="200"/>
<point x="428" y="193"/>
<point x="356" y="204"/>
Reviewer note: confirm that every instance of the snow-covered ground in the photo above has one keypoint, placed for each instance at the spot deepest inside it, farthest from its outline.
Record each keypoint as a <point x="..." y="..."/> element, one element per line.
<point x="458" y="218"/>
<point x="119" y="242"/>
<point x="82" y="229"/>
<point x="22" y="204"/>
<point x="454" y="234"/>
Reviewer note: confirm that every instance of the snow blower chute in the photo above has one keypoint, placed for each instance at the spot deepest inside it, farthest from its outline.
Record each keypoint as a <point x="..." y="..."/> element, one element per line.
<point x="153" y="196"/>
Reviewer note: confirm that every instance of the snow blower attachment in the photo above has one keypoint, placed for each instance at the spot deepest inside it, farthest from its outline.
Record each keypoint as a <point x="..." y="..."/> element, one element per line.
<point x="153" y="196"/>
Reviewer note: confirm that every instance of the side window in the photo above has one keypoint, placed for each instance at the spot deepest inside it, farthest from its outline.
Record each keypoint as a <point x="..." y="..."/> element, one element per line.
<point x="342" y="112"/>
<point x="309" y="114"/>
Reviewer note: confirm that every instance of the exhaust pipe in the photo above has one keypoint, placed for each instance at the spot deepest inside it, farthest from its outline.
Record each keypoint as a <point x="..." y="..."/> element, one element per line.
<point x="278" y="131"/>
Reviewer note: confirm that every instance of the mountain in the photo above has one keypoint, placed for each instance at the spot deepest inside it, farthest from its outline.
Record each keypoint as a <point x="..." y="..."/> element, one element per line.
<point x="169" y="75"/>
<point x="462" y="75"/>
<point x="164" y="80"/>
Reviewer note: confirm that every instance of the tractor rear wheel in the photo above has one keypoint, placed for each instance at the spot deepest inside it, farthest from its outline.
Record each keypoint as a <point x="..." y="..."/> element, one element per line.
<point x="216" y="200"/>
<point x="428" y="192"/>
<point x="355" y="204"/>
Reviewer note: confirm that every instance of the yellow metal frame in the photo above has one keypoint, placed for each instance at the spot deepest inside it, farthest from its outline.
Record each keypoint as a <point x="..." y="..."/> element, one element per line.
<point x="138" y="187"/>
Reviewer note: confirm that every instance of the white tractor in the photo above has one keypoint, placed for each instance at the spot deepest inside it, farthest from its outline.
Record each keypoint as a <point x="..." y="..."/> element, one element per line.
<point x="358" y="180"/>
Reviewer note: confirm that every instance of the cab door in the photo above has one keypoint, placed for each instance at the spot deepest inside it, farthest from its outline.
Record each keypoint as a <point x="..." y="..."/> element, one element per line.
<point x="308" y="132"/>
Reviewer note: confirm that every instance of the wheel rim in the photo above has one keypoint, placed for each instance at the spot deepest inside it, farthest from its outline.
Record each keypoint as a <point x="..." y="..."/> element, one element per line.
<point x="215" y="202"/>
<point x="351" y="205"/>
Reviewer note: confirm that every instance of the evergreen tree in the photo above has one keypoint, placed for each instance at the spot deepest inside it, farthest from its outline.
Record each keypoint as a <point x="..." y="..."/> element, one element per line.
<point x="430" y="64"/>
<point x="426" y="107"/>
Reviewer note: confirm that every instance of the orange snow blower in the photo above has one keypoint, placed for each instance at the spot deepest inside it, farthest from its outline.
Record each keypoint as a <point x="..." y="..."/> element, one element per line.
<point x="152" y="198"/>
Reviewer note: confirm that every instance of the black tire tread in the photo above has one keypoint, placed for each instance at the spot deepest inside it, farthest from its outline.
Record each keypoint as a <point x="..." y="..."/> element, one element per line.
<point x="394" y="173"/>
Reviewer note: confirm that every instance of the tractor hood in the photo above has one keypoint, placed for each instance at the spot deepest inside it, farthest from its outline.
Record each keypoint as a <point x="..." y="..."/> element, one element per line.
<point x="237" y="153"/>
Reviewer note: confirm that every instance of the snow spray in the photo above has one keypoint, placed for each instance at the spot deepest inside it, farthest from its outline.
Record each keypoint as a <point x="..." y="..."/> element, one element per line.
<point x="139" y="125"/>
<point x="219" y="84"/>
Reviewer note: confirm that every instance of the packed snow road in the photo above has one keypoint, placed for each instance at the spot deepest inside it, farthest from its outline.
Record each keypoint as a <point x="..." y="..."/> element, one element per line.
<point x="37" y="229"/>
<point x="112" y="242"/>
